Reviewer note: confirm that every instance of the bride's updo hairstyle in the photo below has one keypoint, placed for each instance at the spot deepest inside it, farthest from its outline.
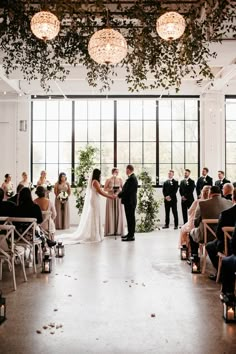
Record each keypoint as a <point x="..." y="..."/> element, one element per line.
<point x="96" y="175"/>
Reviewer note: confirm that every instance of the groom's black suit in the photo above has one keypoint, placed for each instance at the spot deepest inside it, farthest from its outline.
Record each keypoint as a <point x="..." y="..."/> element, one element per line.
<point x="128" y="197"/>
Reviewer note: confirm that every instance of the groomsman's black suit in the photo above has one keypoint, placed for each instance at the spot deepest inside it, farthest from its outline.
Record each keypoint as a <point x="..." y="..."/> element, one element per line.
<point x="170" y="188"/>
<point x="186" y="190"/>
<point x="221" y="182"/>
<point x="201" y="182"/>
<point x="128" y="197"/>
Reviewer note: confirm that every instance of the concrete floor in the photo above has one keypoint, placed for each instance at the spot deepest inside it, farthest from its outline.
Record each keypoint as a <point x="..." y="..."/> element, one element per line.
<point x="105" y="294"/>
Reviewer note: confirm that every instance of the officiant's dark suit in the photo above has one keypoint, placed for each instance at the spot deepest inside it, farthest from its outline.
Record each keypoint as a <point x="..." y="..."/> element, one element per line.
<point x="170" y="188"/>
<point x="128" y="197"/>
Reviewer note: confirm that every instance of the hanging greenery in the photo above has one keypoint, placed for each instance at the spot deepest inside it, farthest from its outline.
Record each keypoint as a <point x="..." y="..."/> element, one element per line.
<point x="148" y="206"/>
<point x="82" y="172"/>
<point x="149" y="56"/>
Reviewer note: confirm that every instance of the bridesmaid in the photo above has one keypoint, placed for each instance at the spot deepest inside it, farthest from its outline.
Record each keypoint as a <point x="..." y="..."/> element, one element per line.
<point x="25" y="181"/>
<point x="7" y="186"/>
<point x="114" y="208"/>
<point x="62" y="206"/>
<point x="44" y="182"/>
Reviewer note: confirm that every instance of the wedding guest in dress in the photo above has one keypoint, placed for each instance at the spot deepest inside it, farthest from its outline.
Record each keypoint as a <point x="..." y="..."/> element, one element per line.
<point x="25" y="182"/>
<point x="15" y="197"/>
<point x="114" y="219"/>
<point x="221" y="181"/>
<point x="43" y="181"/>
<point x="170" y="188"/>
<point x="26" y="207"/>
<point x="7" y="186"/>
<point x="128" y="197"/>
<point x="62" y="192"/>
<point x="186" y="190"/>
<point x="46" y="205"/>
<point x="6" y="208"/>
<point x="227" y="191"/>
<point x="202" y="181"/>
<point x="186" y="228"/>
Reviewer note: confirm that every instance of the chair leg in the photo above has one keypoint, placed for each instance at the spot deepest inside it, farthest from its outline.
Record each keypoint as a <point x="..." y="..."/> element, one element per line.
<point x="219" y="269"/>
<point x="13" y="272"/>
<point x="23" y="266"/>
<point x="1" y="263"/>
<point x="204" y="261"/>
<point x="34" y="259"/>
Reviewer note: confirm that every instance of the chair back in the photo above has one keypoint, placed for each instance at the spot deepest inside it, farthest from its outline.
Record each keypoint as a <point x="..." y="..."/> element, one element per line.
<point x="208" y="227"/>
<point x="23" y="228"/>
<point x="6" y="240"/>
<point x="227" y="236"/>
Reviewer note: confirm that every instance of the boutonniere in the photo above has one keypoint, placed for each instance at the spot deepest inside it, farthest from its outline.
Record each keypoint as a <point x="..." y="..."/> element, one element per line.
<point x="171" y="183"/>
<point x="187" y="183"/>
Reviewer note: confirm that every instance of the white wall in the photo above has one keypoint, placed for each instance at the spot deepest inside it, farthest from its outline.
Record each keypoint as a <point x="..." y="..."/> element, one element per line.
<point x="15" y="145"/>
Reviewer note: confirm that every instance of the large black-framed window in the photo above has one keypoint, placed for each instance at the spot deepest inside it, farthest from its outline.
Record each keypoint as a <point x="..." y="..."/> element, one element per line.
<point x="230" y="137"/>
<point x="155" y="134"/>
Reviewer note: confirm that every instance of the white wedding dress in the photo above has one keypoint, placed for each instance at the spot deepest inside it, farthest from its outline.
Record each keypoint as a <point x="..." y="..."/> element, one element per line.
<point x="90" y="227"/>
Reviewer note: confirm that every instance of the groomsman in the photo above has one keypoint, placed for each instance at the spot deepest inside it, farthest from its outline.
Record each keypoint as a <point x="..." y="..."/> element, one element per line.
<point x="204" y="180"/>
<point x="170" y="188"/>
<point x="222" y="180"/>
<point x="186" y="190"/>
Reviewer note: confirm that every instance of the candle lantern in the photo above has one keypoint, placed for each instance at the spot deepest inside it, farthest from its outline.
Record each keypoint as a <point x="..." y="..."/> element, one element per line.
<point x="47" y="264"/>
<point x="2" y="308"/>
<point x="195" y="264"/>
<point x="60" y="249"/>
<point x="183" y="253"/>
<point x="229" y="311"/>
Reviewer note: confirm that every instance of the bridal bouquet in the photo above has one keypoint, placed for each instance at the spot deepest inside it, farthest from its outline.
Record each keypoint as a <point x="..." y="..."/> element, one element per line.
<point x="63" y="197"/>
<point x="9" y="193"/>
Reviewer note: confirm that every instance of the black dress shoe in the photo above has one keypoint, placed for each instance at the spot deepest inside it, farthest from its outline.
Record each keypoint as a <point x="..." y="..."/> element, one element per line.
<point x="176" y="228"/>
<point x="125" y="236"/>
<point x="127" y="239"/>
<point x="165" y="227"/>
<point x="212" y="277"/>
<point x="51" y="243"/>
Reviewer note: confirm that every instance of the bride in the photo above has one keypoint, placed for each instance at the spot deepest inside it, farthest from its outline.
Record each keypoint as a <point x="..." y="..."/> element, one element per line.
<point x="90" y="226"/>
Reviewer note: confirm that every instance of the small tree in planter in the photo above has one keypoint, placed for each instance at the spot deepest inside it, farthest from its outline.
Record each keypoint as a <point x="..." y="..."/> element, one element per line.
<point x="148" y="207"/>
<point x="86" y="164"/>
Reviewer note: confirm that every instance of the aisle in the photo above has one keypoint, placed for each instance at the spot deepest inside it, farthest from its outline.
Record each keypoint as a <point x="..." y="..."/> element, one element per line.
<point x="104" y="294"/>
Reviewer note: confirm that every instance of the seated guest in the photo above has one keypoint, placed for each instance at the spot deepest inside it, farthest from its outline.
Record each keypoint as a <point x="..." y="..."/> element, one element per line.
<point x="15" y="197"/>
<point x="229" y="269"/>
<point x="202" y="181"/>
<point x="207" y="209"/>
<point x="46" y="205"/>
<point x="6" y="208"/>
<point x="227" y="191"/>
<point x="189" y="225"/>
<point x="221" y="181"/>
<point x="227" y="218"/>
<point x="26" y="207"/>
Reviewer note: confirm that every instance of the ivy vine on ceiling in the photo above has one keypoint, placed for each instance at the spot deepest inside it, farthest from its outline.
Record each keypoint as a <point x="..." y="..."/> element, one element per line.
<point x="207" y="21"/>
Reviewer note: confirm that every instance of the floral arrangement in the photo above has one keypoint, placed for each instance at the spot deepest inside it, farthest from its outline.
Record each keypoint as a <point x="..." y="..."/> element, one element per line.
<point x="63" y="197"/>
<point x="10" y="193"/>
<point x="47" y="186"/>
<point x="148" y="206"/>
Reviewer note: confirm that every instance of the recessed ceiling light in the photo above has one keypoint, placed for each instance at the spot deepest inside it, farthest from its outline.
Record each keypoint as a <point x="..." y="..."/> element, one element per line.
<point x="4" y="92"/>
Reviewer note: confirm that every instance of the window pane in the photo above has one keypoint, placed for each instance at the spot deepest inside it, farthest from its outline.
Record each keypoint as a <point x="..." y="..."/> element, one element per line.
<point x="178" y="131"/>
<point x="37" y="168"/>
<point x="107" y="110"/>
<point x="38" y="152"/>
<point x="149" y="131"/>
<point x="52" y="110"/>
<point x="122" y="109"/>
<point x="80" y="110"/>
<point x="123" y="152"/>
<point x="231" y="172"/>
<point x="81" y="131"/>
<point x="65" y="131"/>
<point x="149" y="152"/>
<point x="163" y="171"/>
<point x="230" y="110"/>
<point x="178" y="152"/>
<point x="107" y="153"/>
<point x="151" y="169"/>
<point x="179" y="171"/>
<point x="164" y="131"/>
<point x="191" y="152"/>
<point x="231" y="131"/>
<point x="52" y="131"/>
<point x="39" y="131"/>
<point x="52" y="173"/>
<point x="136" y="107"/>
<point x="231" y="152"/>
<point x="164" y="109"/>
<point x="123" y="131"/>
<point x="135" y="131"/>
<point x="122" y="171"/>
<point x="191" y="109"/>
<point x="107" y="131"/>
<point x="177" y="109"/>
<point x="93" y="131"/>
<point x="149" y="109"/>
<point x="52" y="152"/>
<point x="135" y="153"/>
<point x="191" y="131"/>
<point x="65" y="152"/>
<point x="39" y="110"/>
<point x="165" y="152"/>
<point x="65" y="110"/>
<point x="94" y="110"/>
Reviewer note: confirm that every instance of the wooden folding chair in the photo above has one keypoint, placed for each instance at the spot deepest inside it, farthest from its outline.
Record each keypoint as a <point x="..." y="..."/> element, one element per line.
<point x="9" y="251"/>
<point x="207" y="227"/>
<point x="227" y="236"/>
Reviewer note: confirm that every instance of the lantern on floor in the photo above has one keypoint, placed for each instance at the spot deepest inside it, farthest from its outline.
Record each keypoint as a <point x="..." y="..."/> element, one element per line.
<point x="60" y="249"/>
<point x="183" y="253"/>
<point x="229" y="311"/>
<point x="195" y="264"/>
<point x="2" y="308"/>
<point x="47" y="264"/>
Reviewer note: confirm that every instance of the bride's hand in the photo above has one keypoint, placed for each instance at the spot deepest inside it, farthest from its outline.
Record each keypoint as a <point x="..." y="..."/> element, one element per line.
<point x="113" y="196"/>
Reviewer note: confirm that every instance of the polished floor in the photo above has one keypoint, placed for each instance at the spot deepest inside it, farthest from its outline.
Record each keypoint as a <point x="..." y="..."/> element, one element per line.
<point x="116" y="297"/>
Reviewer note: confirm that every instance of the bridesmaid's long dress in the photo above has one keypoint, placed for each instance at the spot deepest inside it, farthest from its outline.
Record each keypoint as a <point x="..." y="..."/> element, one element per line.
<point x="63" y="211"/>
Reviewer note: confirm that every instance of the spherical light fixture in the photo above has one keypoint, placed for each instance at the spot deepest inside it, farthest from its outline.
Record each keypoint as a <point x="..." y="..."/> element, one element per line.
<point x="45" y="25"/>
<point x="170" y="26"/>
<point x="107" y="46"/>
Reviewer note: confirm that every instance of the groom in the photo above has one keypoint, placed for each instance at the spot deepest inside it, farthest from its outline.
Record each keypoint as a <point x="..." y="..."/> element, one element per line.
<point x="128" y="197"/>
